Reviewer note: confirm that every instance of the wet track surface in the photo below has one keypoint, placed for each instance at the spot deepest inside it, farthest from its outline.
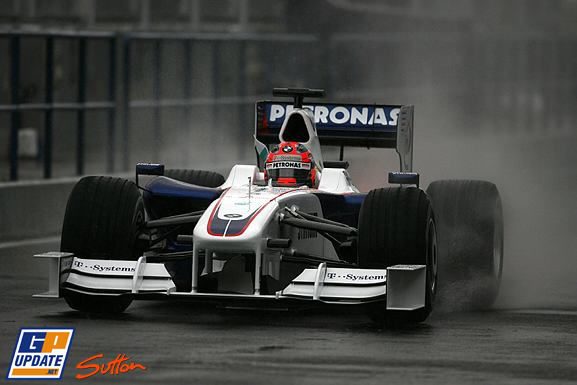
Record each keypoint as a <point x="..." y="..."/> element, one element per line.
<point x="183" y="343"/>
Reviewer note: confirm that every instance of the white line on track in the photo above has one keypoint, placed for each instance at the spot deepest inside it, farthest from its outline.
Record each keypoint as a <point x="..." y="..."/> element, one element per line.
<point x="29" y="242"/>
<point x="545" y="311"/>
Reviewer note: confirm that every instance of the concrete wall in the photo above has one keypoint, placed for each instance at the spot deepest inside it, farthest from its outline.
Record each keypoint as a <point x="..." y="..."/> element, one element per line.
<point x="33" y="209"/>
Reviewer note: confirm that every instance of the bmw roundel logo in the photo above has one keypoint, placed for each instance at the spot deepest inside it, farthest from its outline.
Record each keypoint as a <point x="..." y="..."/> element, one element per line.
<point x="232" y="215"/>
<point x="287" y="148"/>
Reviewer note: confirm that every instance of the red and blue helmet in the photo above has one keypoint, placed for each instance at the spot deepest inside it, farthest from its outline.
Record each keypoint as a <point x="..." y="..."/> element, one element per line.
<point x="290" y="164"/>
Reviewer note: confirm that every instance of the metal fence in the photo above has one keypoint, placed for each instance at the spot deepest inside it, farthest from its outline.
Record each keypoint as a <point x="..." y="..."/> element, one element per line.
<point x="215" y="90"/>
<point x="17" y="107"/>
<point x="172" y="88"/>
<point x="188" y="98"/>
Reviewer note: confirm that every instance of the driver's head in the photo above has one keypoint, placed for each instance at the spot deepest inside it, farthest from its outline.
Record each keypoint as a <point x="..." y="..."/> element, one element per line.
<point x="290" y="164"/>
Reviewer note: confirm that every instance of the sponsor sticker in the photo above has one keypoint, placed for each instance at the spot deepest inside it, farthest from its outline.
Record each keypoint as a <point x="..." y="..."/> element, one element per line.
<point x="98" y="266"/>
<point x="293" y="158"/>
<point x="287" y="164"/>
<point x="355" y="277"/>
<point x="339" y="116"/>
<point x="40" y="353"/>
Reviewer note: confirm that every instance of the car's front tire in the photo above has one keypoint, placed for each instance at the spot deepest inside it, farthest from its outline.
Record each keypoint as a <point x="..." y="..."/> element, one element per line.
<point x="102" y="220"/>
<point x="397" y="226"/>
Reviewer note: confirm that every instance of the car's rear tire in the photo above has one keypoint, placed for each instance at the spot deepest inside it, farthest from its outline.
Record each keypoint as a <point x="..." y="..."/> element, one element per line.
<point x="397" y="226"/>
<point x="102" y="220"/>
<point x="197" y="177"/>
<point x="470" y="223"/>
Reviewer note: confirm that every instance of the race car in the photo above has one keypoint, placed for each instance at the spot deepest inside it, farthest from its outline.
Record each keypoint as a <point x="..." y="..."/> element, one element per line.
<point x="290" y="230"/>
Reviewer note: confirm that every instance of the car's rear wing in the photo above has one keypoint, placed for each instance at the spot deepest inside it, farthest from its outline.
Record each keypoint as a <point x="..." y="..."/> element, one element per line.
<point x="346" y="125"/>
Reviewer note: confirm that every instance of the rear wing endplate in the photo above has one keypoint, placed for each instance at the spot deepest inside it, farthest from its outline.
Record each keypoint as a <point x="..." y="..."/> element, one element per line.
<point x="346" y="125"/>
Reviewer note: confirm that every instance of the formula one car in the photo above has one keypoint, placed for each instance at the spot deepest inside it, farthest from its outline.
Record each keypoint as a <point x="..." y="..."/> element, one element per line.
<point x="291" y="230"/>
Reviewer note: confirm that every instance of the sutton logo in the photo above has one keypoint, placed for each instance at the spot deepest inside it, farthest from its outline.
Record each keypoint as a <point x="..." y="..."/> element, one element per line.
<point x="40" y="354"/>
<point x="119" y="365"/>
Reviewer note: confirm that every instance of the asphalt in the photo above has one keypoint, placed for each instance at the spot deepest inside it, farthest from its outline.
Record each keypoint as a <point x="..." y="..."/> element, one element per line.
<point x="182" y="343"/>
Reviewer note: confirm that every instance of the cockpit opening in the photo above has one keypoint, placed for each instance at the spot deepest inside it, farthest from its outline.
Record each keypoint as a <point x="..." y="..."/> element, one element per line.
<point x="296" y="129"/>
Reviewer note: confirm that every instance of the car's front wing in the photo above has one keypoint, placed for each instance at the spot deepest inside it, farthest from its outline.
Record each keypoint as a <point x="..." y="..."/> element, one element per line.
<point x="401" y="286"/>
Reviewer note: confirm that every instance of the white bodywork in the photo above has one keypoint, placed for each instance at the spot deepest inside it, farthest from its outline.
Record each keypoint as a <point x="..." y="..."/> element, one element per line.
<point x="313" y="144"/>
<point x="241" y="222"/>
<point x="260" y="206"/>
<point x="402" y="284"/>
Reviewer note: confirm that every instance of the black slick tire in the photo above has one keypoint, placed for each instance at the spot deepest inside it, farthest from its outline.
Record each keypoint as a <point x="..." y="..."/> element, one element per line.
<point x="470" y="226"/>
<point x="397" y="226"/>
<point x="102" y="220"/>
<point x="197" y="177"/>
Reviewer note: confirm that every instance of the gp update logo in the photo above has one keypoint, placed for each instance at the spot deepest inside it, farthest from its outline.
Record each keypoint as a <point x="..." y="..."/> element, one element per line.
<point x="40" y="354"/>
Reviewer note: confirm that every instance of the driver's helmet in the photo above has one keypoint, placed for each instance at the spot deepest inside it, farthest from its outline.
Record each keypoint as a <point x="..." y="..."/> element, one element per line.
<point x="290" y="164"/>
